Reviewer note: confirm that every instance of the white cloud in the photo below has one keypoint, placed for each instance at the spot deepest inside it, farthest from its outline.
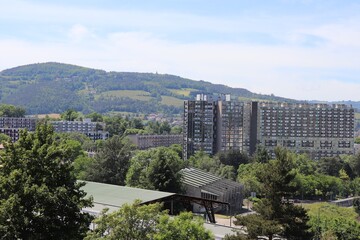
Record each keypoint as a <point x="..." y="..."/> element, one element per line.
<point x="78" y="32"/>
<point x="97" y="38"/>
<point x="259" y="69"/>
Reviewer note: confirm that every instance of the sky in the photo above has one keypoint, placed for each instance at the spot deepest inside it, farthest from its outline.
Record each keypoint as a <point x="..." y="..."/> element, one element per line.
<point x="300" y="49"/>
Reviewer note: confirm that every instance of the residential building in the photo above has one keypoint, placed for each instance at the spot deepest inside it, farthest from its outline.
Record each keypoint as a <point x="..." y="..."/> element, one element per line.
<point x="145" y="141"/>
<point x="13" y="133"/>
<point x="199" y="125"/>
<point x="11" y="126"/>
<point x="94" y="130"/>
<point x="232" y="125"/>
<point x="320" y="130"/>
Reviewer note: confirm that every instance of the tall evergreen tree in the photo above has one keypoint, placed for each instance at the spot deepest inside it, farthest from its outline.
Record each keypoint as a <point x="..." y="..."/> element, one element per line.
<point x="39" y="195"/>
<point x="274" y="211"/>
<point x="112" y="162"/>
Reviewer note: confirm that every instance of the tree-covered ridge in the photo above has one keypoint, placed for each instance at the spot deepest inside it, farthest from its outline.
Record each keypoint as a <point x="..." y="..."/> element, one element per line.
<point x="55" y="87"/>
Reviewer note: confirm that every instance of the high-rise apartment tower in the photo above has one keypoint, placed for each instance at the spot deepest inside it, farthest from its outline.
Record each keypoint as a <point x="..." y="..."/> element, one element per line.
<point x="320" y="130"/>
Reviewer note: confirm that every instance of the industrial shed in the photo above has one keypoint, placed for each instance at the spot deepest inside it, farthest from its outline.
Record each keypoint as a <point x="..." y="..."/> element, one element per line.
<point x="205" y="185"/>
<point x="114" y="196"/>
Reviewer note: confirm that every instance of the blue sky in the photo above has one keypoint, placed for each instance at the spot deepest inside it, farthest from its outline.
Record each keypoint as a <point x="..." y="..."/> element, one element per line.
<point x="302" y="49"/>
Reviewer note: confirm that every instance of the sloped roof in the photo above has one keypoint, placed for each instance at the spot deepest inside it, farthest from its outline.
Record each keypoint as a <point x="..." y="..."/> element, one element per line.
<point x="197" y="178"/>
<point x="207" y="181"/>
<point x="114" y="196"/>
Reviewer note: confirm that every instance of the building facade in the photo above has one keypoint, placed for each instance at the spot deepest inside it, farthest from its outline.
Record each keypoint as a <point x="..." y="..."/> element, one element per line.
<point x="13" y="122"/>
<point x="145" y="141"/>
<point x="320" y="130"/>
<point x="94" y="130"/>
<point x="12" y="127"/>
<point x="230" y="124"/>
<point x="199" y="126"/>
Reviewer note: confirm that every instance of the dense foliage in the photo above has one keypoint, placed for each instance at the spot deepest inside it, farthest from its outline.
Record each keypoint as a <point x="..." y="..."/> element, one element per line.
<point x="156" y="169"/>
<point x="39" y="195"/>
<point x="330" y="220"/>
<point x="147" y="222"/>
<point x="111" y="162"/>
<point x="275" y="215"/>
<point x="11" y="111"/>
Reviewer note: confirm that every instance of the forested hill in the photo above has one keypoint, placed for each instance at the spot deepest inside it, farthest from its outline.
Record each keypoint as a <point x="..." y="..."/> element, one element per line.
<point x="55" y="87"/>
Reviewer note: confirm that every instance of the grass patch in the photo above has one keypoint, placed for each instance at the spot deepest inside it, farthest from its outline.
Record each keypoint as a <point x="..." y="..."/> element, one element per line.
<point x="183" y="92"/>
<point x="330" y="211"/>
<point x="245" y="99"/>
<point x="172" y="101"/>
<point x="50" y="115"/>
<point x="133" y="94"/>
<point x="357" y="116"/>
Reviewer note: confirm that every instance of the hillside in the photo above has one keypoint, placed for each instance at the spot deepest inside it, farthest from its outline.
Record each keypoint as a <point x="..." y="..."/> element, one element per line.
<point x="55" y="87"/>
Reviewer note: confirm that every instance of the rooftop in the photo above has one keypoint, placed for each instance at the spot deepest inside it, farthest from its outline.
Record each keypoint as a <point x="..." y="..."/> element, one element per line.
<point x="197" y="178"/>
<point x="114" y="196"/>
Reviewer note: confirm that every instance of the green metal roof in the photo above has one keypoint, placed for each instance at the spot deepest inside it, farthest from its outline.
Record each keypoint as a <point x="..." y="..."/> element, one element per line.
<point x="114" y="196"/>
<point x="197" y="178"/>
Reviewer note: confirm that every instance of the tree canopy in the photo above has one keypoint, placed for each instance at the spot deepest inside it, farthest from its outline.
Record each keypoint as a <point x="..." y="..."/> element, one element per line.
<point x="39" y="195"/>
<point x="156" y="169"/>
<point x="7" y="110"/>
<point x="275" y="214"/>
<point x="111" y="162"/>
<point x="135" y="221"/>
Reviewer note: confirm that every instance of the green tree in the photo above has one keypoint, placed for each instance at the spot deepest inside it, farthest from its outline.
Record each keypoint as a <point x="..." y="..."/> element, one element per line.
<point x="136" y="123"/>
<point x="233" y="158"/>
<point x="11" y="111"/>
<point x="261" y="155"/>
<point x="136" y="221"/>
<point x="304" y="164"/>
<point x="130" y="222"/>
<point x="111" y="162"/>
<point x="176" y="130"/>
<point x="203" y="161"/>
<point x="95" y="117"/>
<point x="306" y="185"/>
<point x="4" y="138"/>
<point x="156" y="169"/>
<point x="39" y="196"/>
<point x="182" y="227"/>
<point x="355" y="186"/>
<point x="81" y="166"/>
<point x="274" y="210"/>
<point x="355" y="164"/>
<point x="116" y="125"/>
<point x="70" y="115"/>
<point x="257" y="225"/>
<point x="165" y="128"/>
<point x="248" y="176"/>
<point x="336" y="221"/>
<point x="328" y="186"/>
<point x="356" y="205"/>
<point x="330" y="166"/>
